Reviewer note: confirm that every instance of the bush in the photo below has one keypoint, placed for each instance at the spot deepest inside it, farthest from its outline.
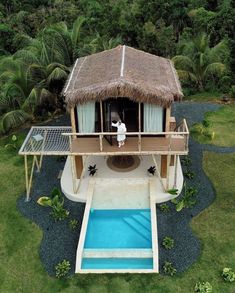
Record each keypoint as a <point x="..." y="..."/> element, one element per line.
<point x="56" y="202"/>
<point x="186" y="161"/>
<point x="164" y="208"/>
<point x="203" y="287"/>
<point x="228" y="274"/>
<point x="73" y="224"/>
<point x="62" y="269"/>
<point x="189" y="174"/>
<point x="188" y="199"/>
<point x="169" y="269"/>
<point x="168" y="242"/>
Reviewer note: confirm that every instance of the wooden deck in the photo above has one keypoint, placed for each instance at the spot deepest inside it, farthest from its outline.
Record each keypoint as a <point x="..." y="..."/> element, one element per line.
<point x="149" y="145"/>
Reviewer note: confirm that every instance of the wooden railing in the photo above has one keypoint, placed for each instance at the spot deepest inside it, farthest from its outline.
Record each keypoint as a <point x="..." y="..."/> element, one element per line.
<point x="181" y="131"/>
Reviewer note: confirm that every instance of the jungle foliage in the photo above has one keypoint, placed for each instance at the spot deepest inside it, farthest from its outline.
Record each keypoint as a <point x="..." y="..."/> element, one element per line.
<point x="40" y="40"/>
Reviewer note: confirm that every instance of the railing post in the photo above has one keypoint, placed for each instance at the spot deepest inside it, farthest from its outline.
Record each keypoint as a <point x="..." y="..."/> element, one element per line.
<point x="101" y="142"/>
<point x="139" y="142"/>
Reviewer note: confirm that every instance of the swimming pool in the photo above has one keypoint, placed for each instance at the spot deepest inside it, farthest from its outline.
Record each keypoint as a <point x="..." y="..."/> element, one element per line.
<point x="117" y="263"/>
<point x="119" y="229"/>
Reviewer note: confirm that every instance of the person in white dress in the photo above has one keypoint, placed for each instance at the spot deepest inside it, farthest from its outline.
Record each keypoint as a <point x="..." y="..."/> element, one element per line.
<point x="121" y="129"/>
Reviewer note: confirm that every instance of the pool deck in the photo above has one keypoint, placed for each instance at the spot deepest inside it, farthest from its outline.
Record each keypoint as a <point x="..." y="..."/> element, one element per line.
<point x="113" y="181"/>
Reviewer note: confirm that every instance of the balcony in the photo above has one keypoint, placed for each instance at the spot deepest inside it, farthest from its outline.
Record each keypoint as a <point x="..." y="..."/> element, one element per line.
<point x="171" y="142"/>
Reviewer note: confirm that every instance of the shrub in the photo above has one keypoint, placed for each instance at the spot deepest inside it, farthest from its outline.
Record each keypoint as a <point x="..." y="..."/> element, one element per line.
<point x="56" y="202"/>
<point x="14" y="143"/>
<point x="173" y="191"/>
<point x="62" y="269"/>
<point x="168" y="242"/>
<point x="203" y="287"/>
<point x="164" y="208"/>
<point x="169" y="269"/>
<point x="228" y="274"/>
<point x="206" y="123"/>
<point x="188" y="199"/>
<point x="189" y="174"/>
<point x="186" y="161"/>
<point x="73" y="224"/>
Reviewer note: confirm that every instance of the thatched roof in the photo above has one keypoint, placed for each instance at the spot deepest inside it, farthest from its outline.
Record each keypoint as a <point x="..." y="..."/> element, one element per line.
<point x="123" y="72"/>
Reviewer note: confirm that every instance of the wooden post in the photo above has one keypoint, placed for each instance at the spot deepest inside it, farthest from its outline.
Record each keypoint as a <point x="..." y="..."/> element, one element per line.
<point x="168" y="171"/>
<point x="168" y="116"/>
<point x="73" y="172"/>
<point x="26" y="177"/>
<point x="101" y="126"/>
<point x="78" y="166"/>
<point x="163" y="166"/>
<point x="176" y="167"/>
<point x="101" y="117"/>
<point x="139" y="122"/>
<point x="73" y="123"/>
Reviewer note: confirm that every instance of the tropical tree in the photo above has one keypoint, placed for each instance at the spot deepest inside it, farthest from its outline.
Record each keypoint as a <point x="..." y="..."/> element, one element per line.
<point x="198" y="62"/>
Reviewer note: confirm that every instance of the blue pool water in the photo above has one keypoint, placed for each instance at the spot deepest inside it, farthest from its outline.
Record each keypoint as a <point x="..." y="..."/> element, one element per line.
<point x="118" y="263"/>
<point x="119" y="229"/>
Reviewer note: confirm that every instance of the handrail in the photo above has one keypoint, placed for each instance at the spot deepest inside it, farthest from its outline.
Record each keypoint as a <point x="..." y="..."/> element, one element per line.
<point x="168" y="134"/>
<point x="183" y="122"/>
<point x="126" y="133"/>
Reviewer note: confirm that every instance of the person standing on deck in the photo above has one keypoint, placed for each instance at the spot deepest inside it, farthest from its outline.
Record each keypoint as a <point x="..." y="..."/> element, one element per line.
<point x="121" y="129"/>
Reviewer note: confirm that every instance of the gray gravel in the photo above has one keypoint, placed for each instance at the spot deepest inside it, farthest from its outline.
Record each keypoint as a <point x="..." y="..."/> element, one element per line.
<point x="59" y="242"/>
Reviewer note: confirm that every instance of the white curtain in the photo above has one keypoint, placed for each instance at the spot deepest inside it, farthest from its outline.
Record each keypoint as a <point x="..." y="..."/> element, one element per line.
<point x="86" y="117"/>
<point x="153" y="118"/>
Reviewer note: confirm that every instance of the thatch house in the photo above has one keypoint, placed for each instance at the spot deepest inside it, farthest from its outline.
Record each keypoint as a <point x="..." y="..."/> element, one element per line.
<point x="127" y="84"/>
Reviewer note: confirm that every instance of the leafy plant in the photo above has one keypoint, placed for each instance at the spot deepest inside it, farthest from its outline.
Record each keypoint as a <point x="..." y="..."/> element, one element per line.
<point x="56" y="202"/>
<point x="73" y="224"/>
<point x="203" y="287"/>
<point x="228" y="274"/>
<point x="62" y="269"/>
<point x="206" y="123"/>
<point x="168" y="242"/>
<point x="152" y="170"/>
<point x="92" y="170"/>
<point x="189" y="174"/>
<point x="172" y="191"/>
<point x="188" y="199"/>
<point x="13" y="143"/>
<point x="169" y="269"/>
<point x="186" y="161"/>
<point x="164" y="208"/>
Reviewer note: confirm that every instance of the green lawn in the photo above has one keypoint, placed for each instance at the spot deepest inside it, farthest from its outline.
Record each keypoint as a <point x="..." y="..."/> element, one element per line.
<point x="204" y="97"/>
<point x="22" y="271"/>
<point x="221" y="123"/>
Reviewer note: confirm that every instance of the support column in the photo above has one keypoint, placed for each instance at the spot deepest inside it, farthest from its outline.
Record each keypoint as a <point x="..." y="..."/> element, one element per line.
<point x="73" y="122"/>
<point x="168" y="116"/>
<point x="26" y="177"/>
<point x="163" y="166"/>
<point x="78" y="166"/>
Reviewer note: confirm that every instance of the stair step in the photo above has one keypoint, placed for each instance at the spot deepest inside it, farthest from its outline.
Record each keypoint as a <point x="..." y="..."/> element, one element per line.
<point x="146" y="215"/>
<point x="117" y="253"/>
<point x="138" y="228"/>
<point x="142" y="221"/>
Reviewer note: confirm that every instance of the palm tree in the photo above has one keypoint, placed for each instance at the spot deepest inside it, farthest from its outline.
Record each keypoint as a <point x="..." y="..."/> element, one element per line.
<point x="198" y="62"/>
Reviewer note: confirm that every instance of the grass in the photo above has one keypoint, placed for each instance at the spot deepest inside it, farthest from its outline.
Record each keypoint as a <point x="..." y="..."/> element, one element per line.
<point x="22" y="271"/>
<point x="222" y="123"/>
<point x="204" y="97"/>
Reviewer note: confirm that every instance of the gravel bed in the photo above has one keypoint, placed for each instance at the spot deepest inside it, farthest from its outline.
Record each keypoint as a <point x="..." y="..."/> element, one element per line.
<point x="59" y="242"/>
<point x="177" y="224"/>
